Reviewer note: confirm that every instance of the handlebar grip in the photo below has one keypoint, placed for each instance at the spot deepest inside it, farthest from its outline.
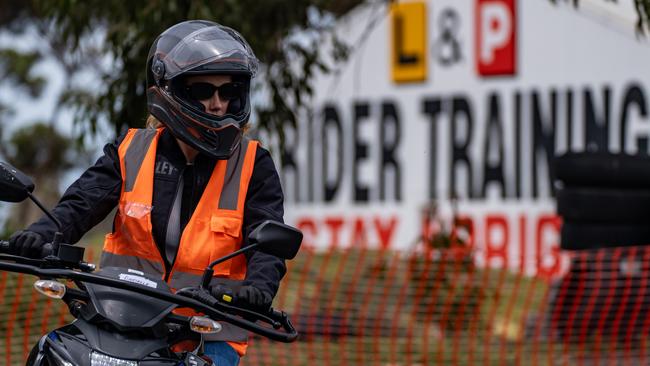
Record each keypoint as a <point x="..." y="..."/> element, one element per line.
<point x="223" y="293"/>
<point x="46" y="250"/>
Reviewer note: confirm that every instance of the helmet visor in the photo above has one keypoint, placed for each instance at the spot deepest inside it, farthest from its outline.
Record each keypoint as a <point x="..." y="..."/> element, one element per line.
<point x="209" y="45"/>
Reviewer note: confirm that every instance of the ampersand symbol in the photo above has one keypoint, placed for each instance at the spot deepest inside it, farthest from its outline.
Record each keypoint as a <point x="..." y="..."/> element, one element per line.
<point x="447" y="47"/>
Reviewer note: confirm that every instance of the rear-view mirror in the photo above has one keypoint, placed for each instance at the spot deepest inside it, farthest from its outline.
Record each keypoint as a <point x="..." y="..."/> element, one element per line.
<point x="277" y="239"/>
<point x="15" y="186"/>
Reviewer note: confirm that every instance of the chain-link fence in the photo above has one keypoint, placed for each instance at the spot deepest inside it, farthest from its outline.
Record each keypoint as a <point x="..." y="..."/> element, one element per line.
<point x="369" y="307"/>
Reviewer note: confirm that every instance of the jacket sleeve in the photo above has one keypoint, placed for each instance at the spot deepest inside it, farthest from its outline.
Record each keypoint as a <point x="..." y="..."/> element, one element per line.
<point x="88" y="200"/>
<point x="264" y="201"/>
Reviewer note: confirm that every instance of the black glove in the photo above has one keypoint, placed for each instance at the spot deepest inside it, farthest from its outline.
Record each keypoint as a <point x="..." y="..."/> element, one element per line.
<point x="27" y="244"/>
<point x="222" y="293"/>
<point x="253" y="298"/>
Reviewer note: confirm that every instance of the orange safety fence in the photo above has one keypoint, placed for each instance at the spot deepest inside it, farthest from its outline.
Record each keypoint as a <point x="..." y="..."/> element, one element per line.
<point x="360" y="306"/>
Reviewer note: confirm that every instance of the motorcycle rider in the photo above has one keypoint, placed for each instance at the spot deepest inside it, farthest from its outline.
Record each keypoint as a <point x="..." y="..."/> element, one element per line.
<point x="190" y="187"/>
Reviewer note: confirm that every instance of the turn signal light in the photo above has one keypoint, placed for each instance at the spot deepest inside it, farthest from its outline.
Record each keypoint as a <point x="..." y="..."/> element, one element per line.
<point x="201" y="324"/>
<point x="50" y="288"/>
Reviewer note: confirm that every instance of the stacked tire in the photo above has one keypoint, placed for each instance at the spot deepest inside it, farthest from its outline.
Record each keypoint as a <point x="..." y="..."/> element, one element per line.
<point x="603" y="199"/>
<point x="604" y="202"/>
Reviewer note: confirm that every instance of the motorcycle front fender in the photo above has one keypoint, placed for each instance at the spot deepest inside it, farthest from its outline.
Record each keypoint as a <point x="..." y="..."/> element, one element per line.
<point x="48" y="352"/>
<point x="37" y="354"/>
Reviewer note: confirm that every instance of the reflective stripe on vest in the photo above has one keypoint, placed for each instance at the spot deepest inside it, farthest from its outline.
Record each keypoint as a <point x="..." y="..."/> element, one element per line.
<point x="214" y="230"/>
<point x="135" y="155"/>
<point x="127" y="261"/>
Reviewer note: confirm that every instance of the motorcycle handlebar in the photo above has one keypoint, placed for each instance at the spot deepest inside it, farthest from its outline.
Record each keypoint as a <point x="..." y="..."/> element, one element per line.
<point x="48" y="256"/>
<point x="46" y="250"/>
<point x="289" y="333"/>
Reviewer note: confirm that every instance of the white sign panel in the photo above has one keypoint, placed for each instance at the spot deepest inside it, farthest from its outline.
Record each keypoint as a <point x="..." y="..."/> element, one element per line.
<point x="508" y="85"/>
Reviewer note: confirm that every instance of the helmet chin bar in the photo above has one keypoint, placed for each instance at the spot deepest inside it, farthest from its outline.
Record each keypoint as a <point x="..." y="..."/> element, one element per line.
<point x="218" y="145"/>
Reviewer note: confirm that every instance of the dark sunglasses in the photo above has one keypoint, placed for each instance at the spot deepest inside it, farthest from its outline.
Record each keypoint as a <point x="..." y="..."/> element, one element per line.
<point x="203" y="91"/>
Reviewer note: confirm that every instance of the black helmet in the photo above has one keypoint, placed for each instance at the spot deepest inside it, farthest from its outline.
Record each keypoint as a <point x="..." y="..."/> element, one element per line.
<point x="198" y="47"/>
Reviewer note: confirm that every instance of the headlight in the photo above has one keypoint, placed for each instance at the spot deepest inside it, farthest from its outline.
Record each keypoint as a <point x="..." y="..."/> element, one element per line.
<point x="99" y="359"/>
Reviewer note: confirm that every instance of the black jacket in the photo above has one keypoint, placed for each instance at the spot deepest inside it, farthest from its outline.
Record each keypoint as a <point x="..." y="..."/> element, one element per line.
<point x="96" y="193"/>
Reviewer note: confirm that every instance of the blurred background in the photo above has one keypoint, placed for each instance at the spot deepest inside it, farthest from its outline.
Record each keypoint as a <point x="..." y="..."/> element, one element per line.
<point x="469" y="175"/>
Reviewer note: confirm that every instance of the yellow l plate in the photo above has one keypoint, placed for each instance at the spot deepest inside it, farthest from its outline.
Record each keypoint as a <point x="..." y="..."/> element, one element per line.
<point x="408" y="41"/>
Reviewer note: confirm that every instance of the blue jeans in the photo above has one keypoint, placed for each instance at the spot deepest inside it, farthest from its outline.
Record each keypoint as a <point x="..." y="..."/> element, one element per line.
<point x="221" y="353"/>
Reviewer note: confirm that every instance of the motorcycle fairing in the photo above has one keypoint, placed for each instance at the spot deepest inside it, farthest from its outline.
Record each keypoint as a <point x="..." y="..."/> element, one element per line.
<point x="127" y="310"/>
<point x="115" y="344"/>
<point x="75" y="342"/>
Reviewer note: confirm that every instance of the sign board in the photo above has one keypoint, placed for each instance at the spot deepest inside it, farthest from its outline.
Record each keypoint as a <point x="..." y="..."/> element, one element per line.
<point x="509" y="84"/>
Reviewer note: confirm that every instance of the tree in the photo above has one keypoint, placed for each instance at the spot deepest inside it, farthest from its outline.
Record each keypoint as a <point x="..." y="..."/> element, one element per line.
<point x="43" y="154"/>
<point x="16" y="70"/>
<point x="113" y="39"/>
<point x="642" y="11"/>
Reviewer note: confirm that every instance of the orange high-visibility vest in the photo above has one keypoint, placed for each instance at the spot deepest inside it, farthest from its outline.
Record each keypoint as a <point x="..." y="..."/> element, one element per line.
<point x="214" y="230"/>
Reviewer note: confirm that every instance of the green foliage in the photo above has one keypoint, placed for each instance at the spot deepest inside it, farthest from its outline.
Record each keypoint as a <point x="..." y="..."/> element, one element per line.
<point x="129" y="28"/>
<point x="43" y="154"/>
<point x="642" y="10"/>
<point x="39" y="150"/>
<point x="112" y="38"/>
<point x="5" y="111"/>
<point x="12" y="12"/>
<point x="16" y="67"/>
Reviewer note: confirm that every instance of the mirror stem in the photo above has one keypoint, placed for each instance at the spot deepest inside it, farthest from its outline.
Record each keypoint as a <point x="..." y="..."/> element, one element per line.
<point x="58" y="235"/>
<point x="38" y="203"/>
<point x="207" y="274"/>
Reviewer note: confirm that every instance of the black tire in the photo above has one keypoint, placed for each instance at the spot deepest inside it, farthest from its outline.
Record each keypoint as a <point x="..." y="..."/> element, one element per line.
<point x="602" y="205"/>
<point x="598" y="274"/>
<point x="603" y="170"/>
<point x="577" y="236"/>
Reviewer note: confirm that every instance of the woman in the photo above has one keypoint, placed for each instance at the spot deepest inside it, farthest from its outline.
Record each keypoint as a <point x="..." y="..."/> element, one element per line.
<point x="191" y="187"/>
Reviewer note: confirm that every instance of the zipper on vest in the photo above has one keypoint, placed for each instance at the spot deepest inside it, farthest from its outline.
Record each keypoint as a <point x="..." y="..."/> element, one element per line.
<point x="168" y="270"/>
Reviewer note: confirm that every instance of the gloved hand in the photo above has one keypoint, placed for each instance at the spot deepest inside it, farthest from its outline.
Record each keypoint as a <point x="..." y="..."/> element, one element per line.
<point x="222" y="293"/>
<point x="26" y="243"/>
<point x="253" y="298"/>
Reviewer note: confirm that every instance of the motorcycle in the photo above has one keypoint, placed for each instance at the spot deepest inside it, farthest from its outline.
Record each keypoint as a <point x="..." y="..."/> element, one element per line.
<point x="124" y="317"/>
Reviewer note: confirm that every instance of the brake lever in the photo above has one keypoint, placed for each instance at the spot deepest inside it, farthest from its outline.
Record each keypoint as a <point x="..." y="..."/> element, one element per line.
<point x="204" y="296"/>
<point x="253" y="314"/>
